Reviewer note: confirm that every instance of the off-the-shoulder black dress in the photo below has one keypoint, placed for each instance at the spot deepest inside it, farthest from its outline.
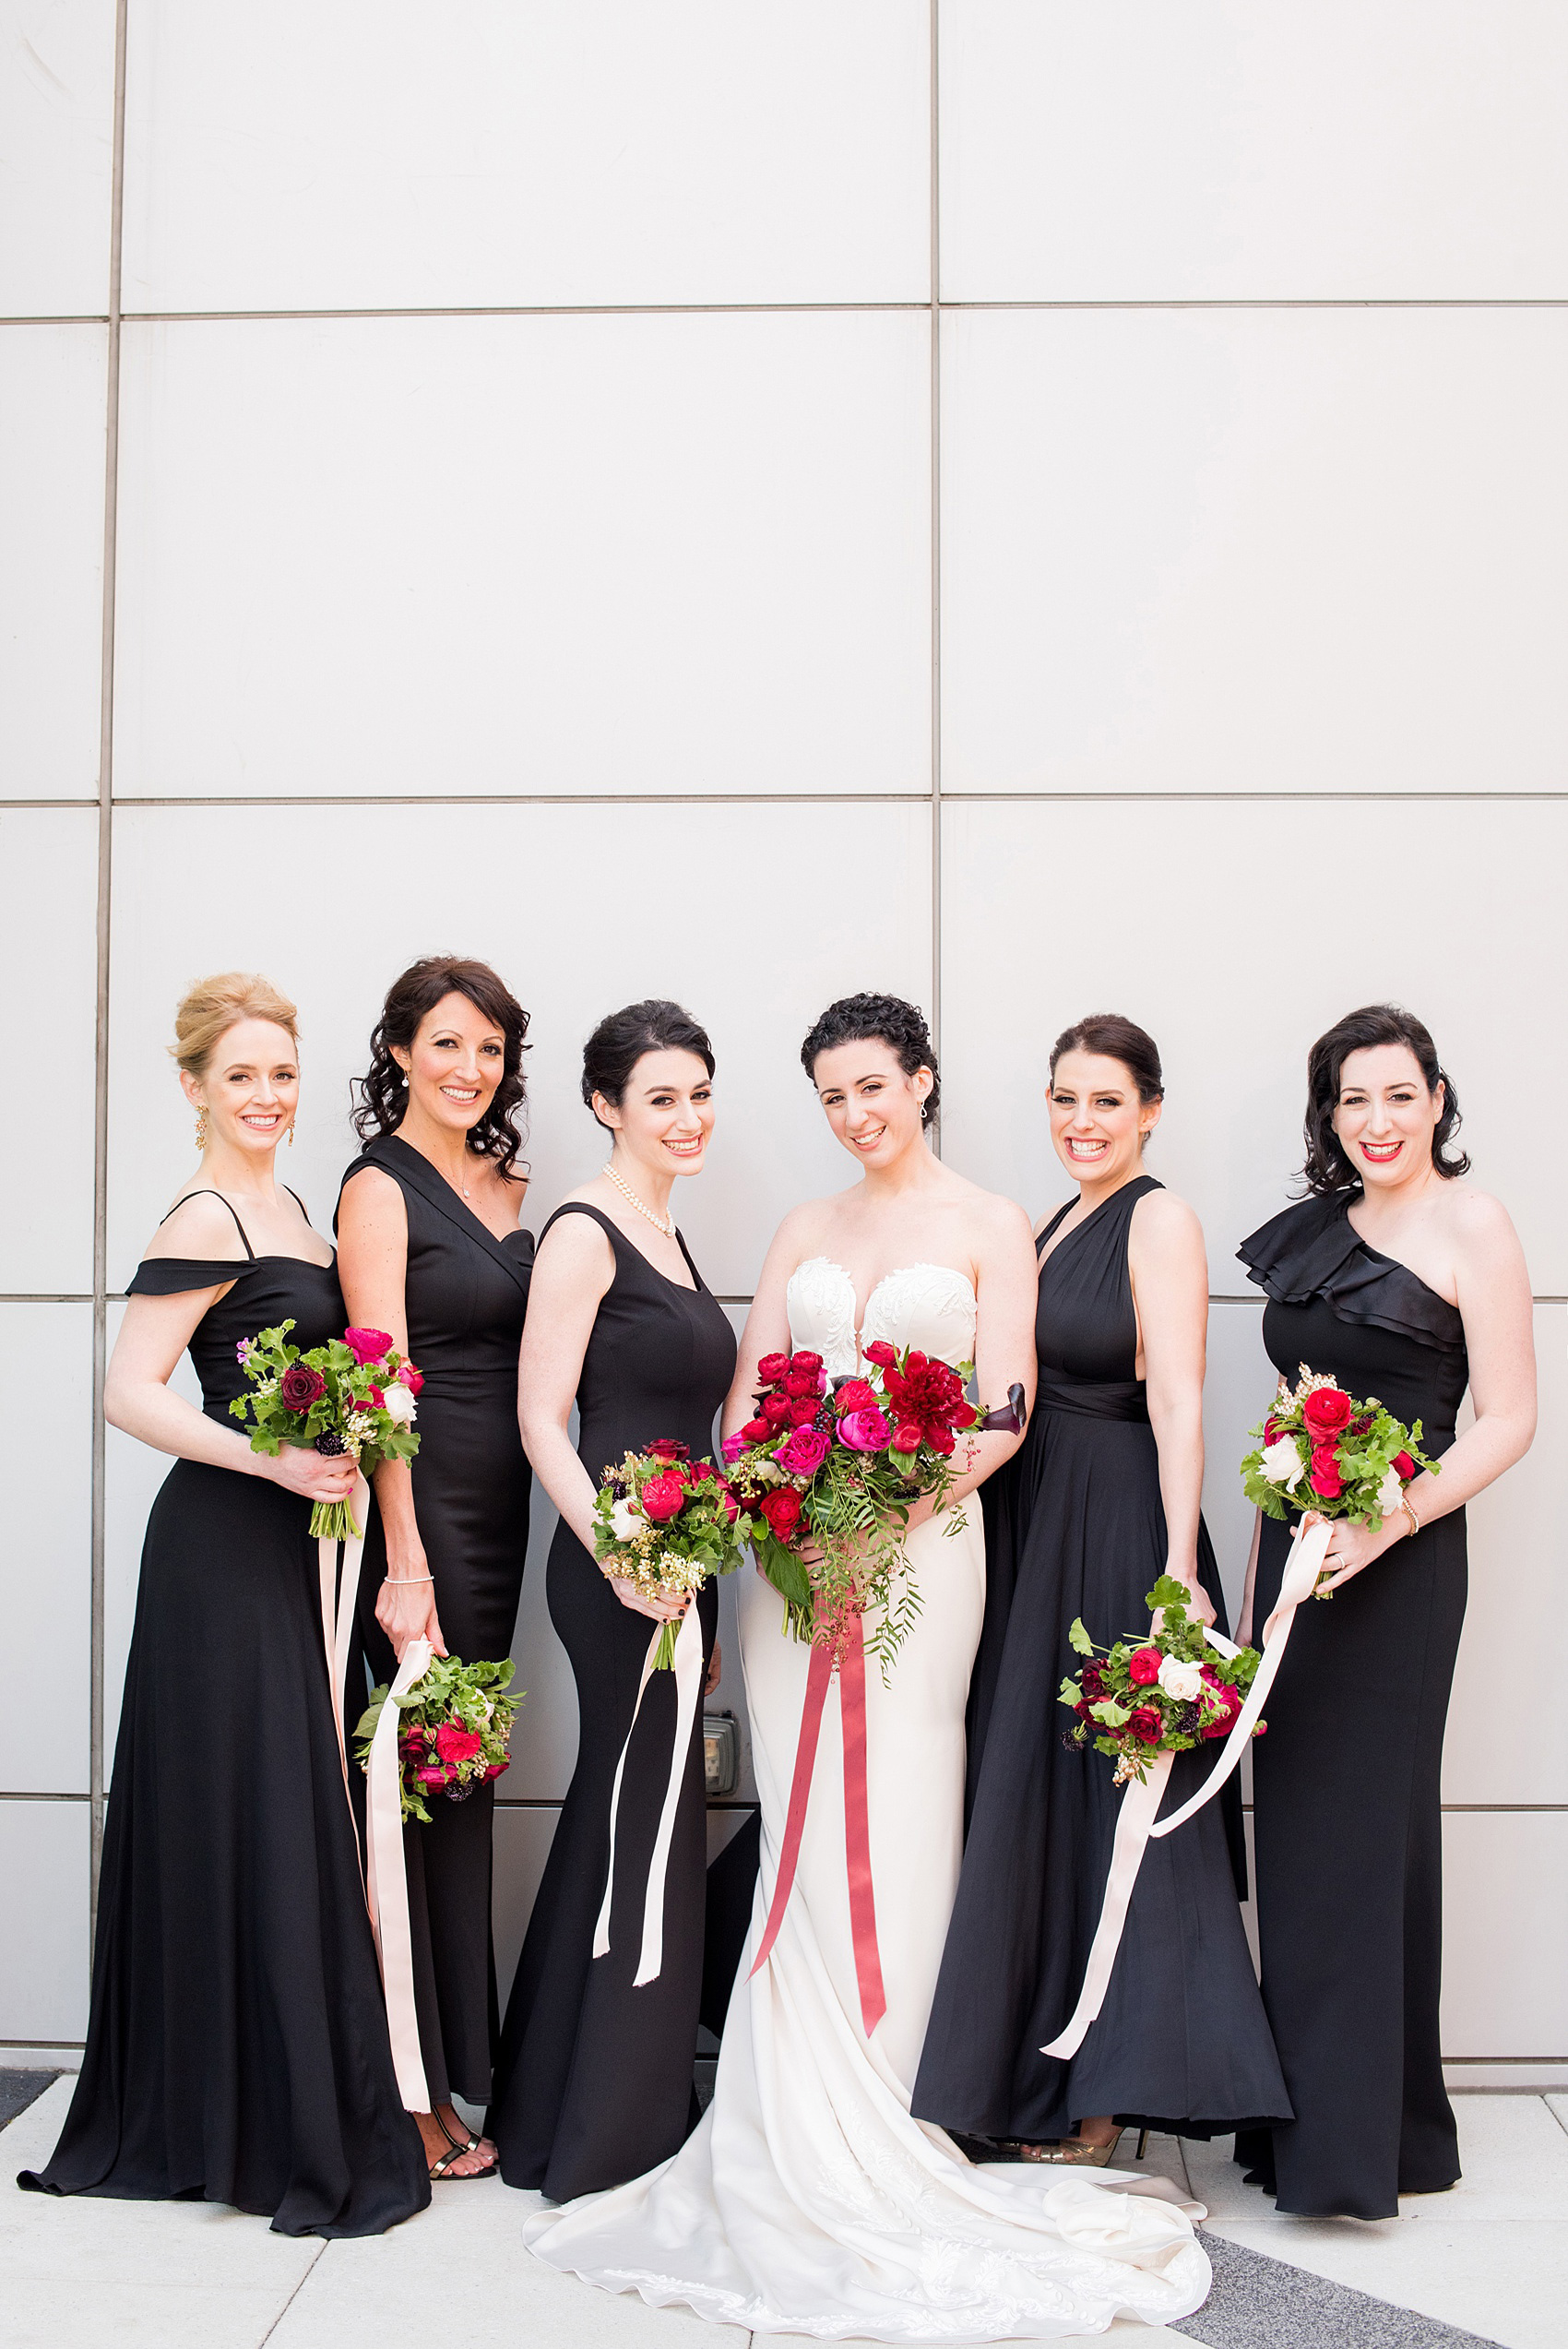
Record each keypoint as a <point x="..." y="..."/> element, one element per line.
<point x="236" y="2047"/>
<point x="1346" y="1810"/>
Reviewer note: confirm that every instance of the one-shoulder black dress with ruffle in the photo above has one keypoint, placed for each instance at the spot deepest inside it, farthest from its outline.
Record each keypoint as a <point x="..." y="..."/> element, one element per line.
<point x="1346" y="1783"/>
<point x="236" y="2048"/>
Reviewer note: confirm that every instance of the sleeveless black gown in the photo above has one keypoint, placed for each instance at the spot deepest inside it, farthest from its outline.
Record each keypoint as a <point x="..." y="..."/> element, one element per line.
<point x="1076" y="1526"/>
<point x="236" y="2047"/>
<point x="1347" y="1820"/>
<point x="465" y="1295"/>
<point x="594" y="2080"/>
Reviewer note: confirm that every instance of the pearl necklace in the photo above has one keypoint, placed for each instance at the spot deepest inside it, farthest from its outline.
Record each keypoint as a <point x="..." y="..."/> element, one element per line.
<point x="659" y="1222"/>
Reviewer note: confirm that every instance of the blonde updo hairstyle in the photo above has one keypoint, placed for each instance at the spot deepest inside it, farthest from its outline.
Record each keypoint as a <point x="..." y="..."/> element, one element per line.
<point x="212" y="1006"/>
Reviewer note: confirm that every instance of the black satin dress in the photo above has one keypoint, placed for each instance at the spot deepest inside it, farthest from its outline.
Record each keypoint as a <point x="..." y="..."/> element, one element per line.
<point x="465" y="1295"/>
<point x="1078" y="1529"/>
<point x="236" y="2048"/>
<point x="594" y="2082"/>
<point x="1347" y="1820"/>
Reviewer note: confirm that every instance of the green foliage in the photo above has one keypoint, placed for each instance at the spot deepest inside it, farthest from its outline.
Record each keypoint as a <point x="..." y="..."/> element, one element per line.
<point x="1364" y="1453"/>
<point x="468" y="1697"/>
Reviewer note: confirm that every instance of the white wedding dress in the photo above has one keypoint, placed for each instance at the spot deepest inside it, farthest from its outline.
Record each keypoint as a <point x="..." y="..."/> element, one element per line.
<point x="808" y="2200"/>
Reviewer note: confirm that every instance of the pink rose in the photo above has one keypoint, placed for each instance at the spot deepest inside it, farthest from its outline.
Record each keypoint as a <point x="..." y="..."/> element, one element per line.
<point x="368" y="1345"/>
<point x="1143" y="1666"/>
<point x="1218" y="1725"/>
<point x="300" y="1386"/>
<point x="804" y="1452"/>
<point x="454" y="1744"/>
<point x="662" y="1498"/>
<point x="733" y="1447"/>
<point x="865" y="1431"/>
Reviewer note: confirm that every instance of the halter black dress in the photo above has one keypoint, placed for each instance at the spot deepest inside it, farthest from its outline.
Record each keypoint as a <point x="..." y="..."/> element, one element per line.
<point x="236" y="2047"/>
<point x="1076" y="1526"/>
<point x="465" y="1295"/>
<point x="1348" y="1826"/>
<point x="594" y="2080"/>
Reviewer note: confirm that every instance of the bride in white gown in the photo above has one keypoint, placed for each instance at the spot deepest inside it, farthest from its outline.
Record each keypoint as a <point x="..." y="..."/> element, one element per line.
<point x="808" y="2200"/>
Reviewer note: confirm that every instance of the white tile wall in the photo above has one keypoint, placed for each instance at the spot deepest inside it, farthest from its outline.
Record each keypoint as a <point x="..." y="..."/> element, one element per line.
<point x="522" y="1845"/>
<point x="1240" y="551"/>
<point x="48" y="886"/>
<point x="1247" y="149"/>
<point x="52" y="454"/>
<point x="551" y="554"/>
<point x="45" y="1561"/>
<point x="293" y="157"/>
<point x="1504" y="1925"/>
<point x="56" y="132"/>
<point x="43" y="1920"/>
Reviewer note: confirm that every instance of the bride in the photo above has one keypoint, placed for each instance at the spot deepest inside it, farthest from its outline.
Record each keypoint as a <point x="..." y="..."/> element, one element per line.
<point x="808" y="2200"/>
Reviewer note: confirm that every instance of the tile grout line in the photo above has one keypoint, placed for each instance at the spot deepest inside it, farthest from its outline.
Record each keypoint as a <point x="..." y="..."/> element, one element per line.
<point x="699" y="799"/>
<point x="100" y="1047"/>
<point x="996" y="304"/>
<point x="933" y="230"/>
<point x="320" y="2254"/>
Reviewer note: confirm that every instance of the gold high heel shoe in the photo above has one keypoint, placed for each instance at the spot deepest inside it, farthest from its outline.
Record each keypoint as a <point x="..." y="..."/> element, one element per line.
<point x="1073" y="2150"/>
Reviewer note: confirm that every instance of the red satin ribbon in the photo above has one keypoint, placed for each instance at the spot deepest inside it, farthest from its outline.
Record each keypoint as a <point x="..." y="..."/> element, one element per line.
<point x="857" y="1823"/>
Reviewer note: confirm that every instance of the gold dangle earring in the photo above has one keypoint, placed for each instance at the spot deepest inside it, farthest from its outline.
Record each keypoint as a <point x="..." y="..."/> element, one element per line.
<point x="201" y="1127"/>
<point x="291" y="1133"/>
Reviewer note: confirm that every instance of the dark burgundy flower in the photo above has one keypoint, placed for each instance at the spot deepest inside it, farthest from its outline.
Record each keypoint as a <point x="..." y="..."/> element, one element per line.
<point x="1145" y="1724"/>
<point x="300" y="1386"/>
<point x="666" y="1448"/>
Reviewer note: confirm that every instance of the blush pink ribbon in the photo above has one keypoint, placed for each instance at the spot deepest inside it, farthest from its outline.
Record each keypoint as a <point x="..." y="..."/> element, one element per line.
<point x="386" y="1879"/>
<point x="851" y="1660"/>
<point x="1135" y="1822"/>
<point x="688" y="1689"/>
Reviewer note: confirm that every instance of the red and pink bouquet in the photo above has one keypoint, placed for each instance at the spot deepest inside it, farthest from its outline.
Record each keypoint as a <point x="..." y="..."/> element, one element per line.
<point x="454" y="1726"/>
<point x="1163" y="1694"/>
<point x="355" y="1394"/>
<point x="839" y="1465"/>
<point x="665" y="1522"/>
<point x="1319" y="1449"/>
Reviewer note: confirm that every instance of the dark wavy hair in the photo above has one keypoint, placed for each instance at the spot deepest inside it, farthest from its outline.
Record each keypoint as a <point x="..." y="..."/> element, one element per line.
<point x="888" y="1020"/>
<point x="1116" y="1038"/>
<point x="623" y="1037"/>
<point x="1328" y="1169"/>
<point x="411" y="997"/>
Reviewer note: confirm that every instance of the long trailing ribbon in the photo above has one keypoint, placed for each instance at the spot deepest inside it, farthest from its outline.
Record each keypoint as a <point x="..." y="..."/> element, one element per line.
<point x="387" y="1889"/>
<point x="688" y="1689"/>
<point x="851" y="1660"/>
<point x="1135" y="1822"/>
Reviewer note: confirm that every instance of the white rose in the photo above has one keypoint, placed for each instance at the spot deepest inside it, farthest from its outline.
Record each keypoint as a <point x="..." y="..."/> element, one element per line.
<point x="1181" y="1680"/>
<point x="402" y="1409"/>
<point x="1282" y="1462"/>
<point x="625" y="1523"/>
<point x="1389" y="1493"/>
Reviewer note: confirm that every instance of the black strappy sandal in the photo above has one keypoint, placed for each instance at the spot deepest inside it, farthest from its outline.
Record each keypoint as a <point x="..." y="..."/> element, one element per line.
<point x="470" y="2144"/>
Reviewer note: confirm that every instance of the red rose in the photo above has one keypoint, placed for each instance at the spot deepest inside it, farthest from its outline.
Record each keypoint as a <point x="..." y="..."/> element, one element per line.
<point x="802" y="1414"/>
<point x="731" y="1507"/>
<point x="1147" y="1724"/>
<point x="906" y="1437"/>
<point x="455" y="1745"/>
<point x="782" y="1510"/>
<point x="799" y="1383"/>
<point x="775" y="1409"/>
<point x="1326" y="1411"/>
<point x="772" y="1367"/>
<point x="662" y="1498"/>
<point x="700" y="1471"/>
<point x="1324" y="1475"/>
<point x="1143" y="1666"/>
<point x="807" y="1363"/>
<point x="1403" y="1467"/>
<point x="368" y="1345"/>
<point x="495" y="1771"/>
<point x="433" y="1776"/>
<point x="855" y="1394"/>
<point x="377" y="1398"/>
<point x="1218" y="1725"/>
<point x="755" y="1431"/>
<point x="666" y="1448"/>
<point x="411" y="1378"/>
<point x="882" y="1353"/>
<point x="300" y="1386"/>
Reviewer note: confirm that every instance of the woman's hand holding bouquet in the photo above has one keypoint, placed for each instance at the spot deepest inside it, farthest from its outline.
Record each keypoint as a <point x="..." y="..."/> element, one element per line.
<point x="1161" y="1695"/>
<point x="664" y="1522"/>
<point x="351" y="1398"/>
<point x="454" y="1725"/>
<point x="1322" y="1452"/>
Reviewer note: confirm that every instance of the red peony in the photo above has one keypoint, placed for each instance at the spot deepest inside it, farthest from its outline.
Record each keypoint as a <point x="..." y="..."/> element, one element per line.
<point x="300" y="1386"/>
<point x="368" y="1345"/>
<point x="662" y="1498"/>
<point x="1145" y="1724"/>
<point x="666" y="1448"/>
<point x="775" y="1409"/>
<point x="939" y="1438"/>
<point x="1324" y="1475"/>
<point x="455" y="1745"/>
<point x="1143" y="1666"/>
<point x="962" y="1415"/>
<point x="808" y="1363"/>
<point x="882" y="1353"/>
<point x="772" y="1367"/>
<point x="782" y="1509"/>
<point x="801" y="1383"/>
<point x="802" y="1414"/>
<point x="1326" y="1411"/>
<point x="906" y="1437"/>
<point x="855" y="1394"/>
<point x="1403" y="1467"/>
<point x="755" y="1431"/>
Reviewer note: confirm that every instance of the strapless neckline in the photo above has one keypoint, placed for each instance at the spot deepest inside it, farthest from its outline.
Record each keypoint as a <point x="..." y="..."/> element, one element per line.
<point x="930" y="1305"/>
<point x="809" y="1264"/>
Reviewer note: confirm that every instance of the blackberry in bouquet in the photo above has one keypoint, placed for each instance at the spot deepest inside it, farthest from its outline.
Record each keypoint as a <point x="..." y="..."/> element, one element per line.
<point x="355" y="1394"/>
<point x="1322" y="1452"/>
<point x="664" y="1522"/>
<point x="454" y="1727"/>
<point x="1161" y="1693"/>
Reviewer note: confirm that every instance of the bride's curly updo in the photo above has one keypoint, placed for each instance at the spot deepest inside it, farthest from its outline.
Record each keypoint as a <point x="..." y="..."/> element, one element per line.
<point x="411" y="997"/>
<point x="901" y="1026"/>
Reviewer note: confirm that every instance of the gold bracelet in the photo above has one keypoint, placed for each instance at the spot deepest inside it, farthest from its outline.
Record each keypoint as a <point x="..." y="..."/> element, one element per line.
<point x="1415" y="1520"/>
<point x="402" y="1582"/>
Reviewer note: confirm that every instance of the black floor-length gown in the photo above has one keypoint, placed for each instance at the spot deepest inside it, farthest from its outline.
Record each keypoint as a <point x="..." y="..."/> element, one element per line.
<point x="594" y="2082"/>
<point x="1346" y="1823"/>
<point x="465" y="1295"/>
<point x="237" y="2048"/>
<point x="1078" y="1529"/>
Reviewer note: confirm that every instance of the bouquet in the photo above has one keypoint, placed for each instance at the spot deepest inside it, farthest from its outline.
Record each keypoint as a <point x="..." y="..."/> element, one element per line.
<point x="355" y="1394"/>
<point x="842" y="1467"/>
<point x="453" y="1732"/>
<point x="665" y="1522"/>
<point x="1321" y="1449"/>
<point x="1162" y="1694"/>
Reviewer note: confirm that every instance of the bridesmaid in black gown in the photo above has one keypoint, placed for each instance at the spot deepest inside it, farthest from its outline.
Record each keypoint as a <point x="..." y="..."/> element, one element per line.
<point x="1076" y="1526"/>
<point x="594" y="2083"/>
<point x="237" y="2048"/>
<point x="1348" y="1836"/>
<point x="430" y="1250"/>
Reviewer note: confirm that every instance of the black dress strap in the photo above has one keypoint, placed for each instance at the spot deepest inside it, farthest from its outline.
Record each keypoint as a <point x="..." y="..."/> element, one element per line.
<point x="298" y="1202"/>
<point x="239" y="1227"/>
<point x="1066" y="1209"/>
<point x="608" y="1223"/>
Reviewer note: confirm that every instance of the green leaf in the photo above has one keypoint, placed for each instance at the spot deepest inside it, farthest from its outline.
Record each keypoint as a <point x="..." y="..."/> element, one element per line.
<point x="1078" y="1639"/>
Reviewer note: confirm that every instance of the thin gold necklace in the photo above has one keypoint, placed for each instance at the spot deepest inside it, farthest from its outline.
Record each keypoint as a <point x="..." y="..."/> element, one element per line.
<point x="659" y="1222"/>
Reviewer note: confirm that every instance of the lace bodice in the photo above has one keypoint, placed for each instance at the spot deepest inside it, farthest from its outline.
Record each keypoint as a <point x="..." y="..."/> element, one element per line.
<point x="928" y="1305"/>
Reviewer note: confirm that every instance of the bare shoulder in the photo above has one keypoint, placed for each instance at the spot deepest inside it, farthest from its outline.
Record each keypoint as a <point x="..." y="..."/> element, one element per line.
<point x="1477" y="1223"/>
<point x="371" y="1195"/>
<point x="995" y="1220"/>
<point x="199" y="1224"/>
<point x="1165" y="1219"/>
<point x="575" y="1245"/>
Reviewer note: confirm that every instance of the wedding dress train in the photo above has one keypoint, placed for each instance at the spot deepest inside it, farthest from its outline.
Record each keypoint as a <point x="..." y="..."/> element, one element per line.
<point x="808" y="2200"/>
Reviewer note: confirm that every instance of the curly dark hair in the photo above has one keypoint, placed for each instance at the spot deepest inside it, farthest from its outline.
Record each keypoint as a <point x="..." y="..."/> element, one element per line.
<point x="1116" y="1038"/>
<point x="623" y="1037"/>
<point x="889" y="1020"/>
<point x="411" y="997"/>
<point x="1328" y="1169"/>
